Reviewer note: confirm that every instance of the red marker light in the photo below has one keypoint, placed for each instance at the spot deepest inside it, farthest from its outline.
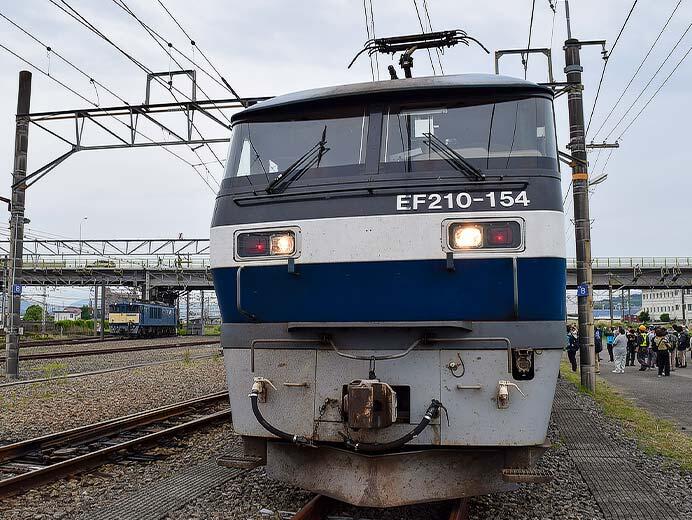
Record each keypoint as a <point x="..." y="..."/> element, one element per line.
<point x="500" y="236"/>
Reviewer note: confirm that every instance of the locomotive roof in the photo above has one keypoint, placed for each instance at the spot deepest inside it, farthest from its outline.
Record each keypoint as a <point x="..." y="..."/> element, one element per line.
<point x="394" y="89"/>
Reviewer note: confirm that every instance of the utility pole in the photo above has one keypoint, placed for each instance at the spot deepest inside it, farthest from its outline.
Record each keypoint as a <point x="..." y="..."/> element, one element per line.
<point x="96" y="308"/>
<point x="45" y="311"/>
<point x="4" y="293"/>
<point x="103" y="308"/>
<point x="187" y="312"/>
<point x="21" y="145"/>
<point x="582" y="222"/>
<point x="610" y="302"/>
<point x="201" y="316"/>
<point x="622" y="306"/>
<point x="684" y="314"/>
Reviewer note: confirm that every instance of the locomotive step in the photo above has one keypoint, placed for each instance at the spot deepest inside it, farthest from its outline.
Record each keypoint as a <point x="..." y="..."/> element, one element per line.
<point x="527" y="476"/>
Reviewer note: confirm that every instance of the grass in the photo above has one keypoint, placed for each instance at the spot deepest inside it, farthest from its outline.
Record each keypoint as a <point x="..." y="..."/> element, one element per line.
<point x="54" y="369"/>
<point x="653" y="435"/>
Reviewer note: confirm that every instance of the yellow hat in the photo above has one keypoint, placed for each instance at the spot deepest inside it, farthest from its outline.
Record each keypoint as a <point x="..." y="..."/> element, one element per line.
<point x="642" y="328"/>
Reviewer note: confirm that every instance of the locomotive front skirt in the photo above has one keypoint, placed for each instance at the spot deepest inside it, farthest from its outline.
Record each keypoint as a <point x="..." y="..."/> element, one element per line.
<point x="389" y="261"/>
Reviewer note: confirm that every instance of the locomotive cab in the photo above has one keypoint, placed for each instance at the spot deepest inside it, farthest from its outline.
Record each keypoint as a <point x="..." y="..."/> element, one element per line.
<point x="389" y="263"/>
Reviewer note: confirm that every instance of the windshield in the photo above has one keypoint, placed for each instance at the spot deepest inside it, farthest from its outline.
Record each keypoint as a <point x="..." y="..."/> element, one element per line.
<point x="123" y="307"/>
<point x="269" y="148"/>
<point x="511" y="134"/>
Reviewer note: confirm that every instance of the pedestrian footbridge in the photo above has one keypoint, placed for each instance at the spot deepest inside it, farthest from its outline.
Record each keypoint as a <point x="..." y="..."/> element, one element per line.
<point x="182" y="264"/>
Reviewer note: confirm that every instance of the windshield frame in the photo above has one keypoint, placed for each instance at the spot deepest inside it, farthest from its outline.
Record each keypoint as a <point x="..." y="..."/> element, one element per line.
<point x="375" y="115"/>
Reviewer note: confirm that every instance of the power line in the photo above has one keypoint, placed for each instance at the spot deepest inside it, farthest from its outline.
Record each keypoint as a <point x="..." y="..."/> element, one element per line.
<point x="124" y="6"/>
<point x="74" y="14"/>
<point x="45" y="73"/>
<point x="622" y="94"/>
<point x="569" y="189"/>
<point x="437" y="50"/>
<point x="605" y="64"/>
<point x="67" y="87"/>
<point x="641" y="93"/>
<point x="552" y="30"/>
<point x="655" y="93"/>
<point x="420" y="21"/>
<point x="160" y="41"/>
<point x="367" y="31"/>
<point x="65" y="60"/>
<point x="195" y="45"/>
<point x="525" y="61"/>
<point x="372" y="26"/>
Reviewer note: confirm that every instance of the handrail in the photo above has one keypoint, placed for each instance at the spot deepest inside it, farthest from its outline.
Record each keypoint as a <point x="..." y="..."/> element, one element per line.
<point x="630" y="262"/>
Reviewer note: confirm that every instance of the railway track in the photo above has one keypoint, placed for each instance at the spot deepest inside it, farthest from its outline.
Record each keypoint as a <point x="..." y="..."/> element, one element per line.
<point x="113" y="350"/>
<point x="33" y="462"/>
<point x="67" y="341"/>
<point x="105" y="370"/>
<point x="320" y="507"/>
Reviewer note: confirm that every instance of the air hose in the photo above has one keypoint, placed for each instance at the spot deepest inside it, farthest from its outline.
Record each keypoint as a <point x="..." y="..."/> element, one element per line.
<point x="365" y="447"/>
<point x="296" y="439"/>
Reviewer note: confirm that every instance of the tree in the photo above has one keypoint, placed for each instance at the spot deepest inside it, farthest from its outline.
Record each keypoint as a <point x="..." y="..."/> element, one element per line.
<point x="33" y="313"/>
<point x="665" y="317"/>
<point x="644" y="317"/>
<point x="86" y="312"/>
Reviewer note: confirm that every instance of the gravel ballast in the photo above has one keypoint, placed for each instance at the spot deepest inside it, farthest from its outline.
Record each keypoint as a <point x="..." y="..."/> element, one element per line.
<point x="242" y="498"/>
<point x="40" y="408"/>
<point x="36" y="369"/>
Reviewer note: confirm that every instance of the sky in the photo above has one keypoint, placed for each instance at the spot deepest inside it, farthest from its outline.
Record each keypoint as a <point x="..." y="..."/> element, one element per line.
<point x="266" y="48"/>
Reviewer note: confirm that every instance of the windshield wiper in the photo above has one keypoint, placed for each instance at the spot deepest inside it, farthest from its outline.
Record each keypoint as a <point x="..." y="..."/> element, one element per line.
<point x="296" y="170"/>
<point x="454" y="158"/>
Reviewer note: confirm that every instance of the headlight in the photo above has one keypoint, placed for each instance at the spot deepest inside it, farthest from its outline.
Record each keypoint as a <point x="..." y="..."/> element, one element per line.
<point x="266" y="244"/>
<point x="484" y="235"/>
<point x="467" y="237"/>
<point x="283" y="244"/>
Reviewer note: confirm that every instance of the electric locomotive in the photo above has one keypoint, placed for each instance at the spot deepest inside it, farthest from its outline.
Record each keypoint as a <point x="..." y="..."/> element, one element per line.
<point x="389" y="262"/>
<point x="142" y="319"/>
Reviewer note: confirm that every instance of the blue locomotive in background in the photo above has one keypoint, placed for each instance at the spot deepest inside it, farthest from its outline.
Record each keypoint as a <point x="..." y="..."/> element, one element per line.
<point x="139" y="319"/>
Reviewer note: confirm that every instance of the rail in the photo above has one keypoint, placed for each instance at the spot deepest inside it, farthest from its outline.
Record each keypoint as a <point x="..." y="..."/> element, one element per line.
<point x="109" y="350"/>
<point x="35" y="461"/>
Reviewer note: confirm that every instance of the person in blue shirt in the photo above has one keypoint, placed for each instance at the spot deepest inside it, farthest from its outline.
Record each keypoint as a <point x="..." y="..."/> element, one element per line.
<point x="610" y="337"/>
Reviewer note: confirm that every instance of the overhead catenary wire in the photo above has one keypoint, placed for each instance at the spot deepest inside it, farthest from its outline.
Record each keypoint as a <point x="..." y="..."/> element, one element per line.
<point x="74" y="14"/>
<point x="367" y="31"/>
<point x="46" y="73"/>
<point x="123" y="5"/>
<point x="422" y="28"/>
<point x="605" y="64"/>
<point x="437" y="50"/>
<point x="372" y="27"/>
<point x="672" y="72"/>
<point x="643" y="90"/>
<point x="639" y="68"/>
<point x="525" y="59"/>
<point x="70" y="89"/>
<point x="62" y="58"/>
<point x="196" y="46"/>
<point x="552" y="29"/>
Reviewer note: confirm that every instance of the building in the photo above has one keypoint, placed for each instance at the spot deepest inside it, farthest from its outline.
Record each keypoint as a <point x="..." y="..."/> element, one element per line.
<point x="68" y="314"/>
<point x="674" y="302"/>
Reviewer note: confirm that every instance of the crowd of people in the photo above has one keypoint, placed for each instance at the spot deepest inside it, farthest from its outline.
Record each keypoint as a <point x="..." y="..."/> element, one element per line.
<point x="654" y="347"/>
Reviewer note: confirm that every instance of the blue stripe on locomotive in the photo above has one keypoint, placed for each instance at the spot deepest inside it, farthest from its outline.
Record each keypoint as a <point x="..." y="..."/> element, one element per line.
<point x="167" y="318"/>
<point x="420" y="290"/>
